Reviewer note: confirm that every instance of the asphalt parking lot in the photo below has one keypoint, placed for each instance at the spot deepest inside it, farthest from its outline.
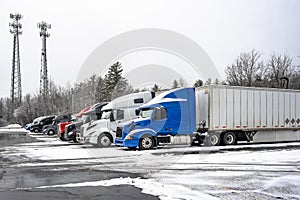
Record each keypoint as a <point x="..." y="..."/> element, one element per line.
<point x="36" y="166"/>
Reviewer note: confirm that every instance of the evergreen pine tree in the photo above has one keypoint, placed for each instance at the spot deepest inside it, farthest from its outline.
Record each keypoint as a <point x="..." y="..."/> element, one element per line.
<point x="175" y="84"/>
<point x="155" y="88"/>
<point x="115" y="84"/>
<point x="198" y="83"/>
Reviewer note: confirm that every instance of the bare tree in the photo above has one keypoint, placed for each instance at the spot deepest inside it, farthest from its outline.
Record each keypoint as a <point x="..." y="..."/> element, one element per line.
<point x="280" y="70"/>
<point x="182" y="82"/>
<point x="208" y="81"/>
<point x="246" y="69"/>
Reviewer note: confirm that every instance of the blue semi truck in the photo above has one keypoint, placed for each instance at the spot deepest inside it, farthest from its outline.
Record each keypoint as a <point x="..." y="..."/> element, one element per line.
<point x="168" y="118"/>
<point x="214" y="115"/>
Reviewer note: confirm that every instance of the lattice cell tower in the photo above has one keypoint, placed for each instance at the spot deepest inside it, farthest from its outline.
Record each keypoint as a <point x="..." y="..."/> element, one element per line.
<point x="44" y="82"/>
<point x="16" y="88"/>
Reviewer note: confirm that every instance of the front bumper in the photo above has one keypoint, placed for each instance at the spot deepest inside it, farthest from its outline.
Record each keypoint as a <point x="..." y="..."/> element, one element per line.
<point x="126" y="143"/>
<point x="81" y="139"/>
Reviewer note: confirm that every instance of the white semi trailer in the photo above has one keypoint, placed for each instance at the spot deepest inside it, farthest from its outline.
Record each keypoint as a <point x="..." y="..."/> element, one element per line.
<point x="227" y="114"/>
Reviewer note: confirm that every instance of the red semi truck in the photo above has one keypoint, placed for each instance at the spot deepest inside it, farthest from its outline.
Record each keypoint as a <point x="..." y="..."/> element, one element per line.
<point x="61" y="129"/>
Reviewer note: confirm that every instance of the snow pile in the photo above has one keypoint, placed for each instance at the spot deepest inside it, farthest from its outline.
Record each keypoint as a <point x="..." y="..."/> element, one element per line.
<point x="13" y="128"/>
<point x="148" y="186"/>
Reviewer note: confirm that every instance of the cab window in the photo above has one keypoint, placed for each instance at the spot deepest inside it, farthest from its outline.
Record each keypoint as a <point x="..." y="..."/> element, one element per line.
<point x="160" y="113"/>
<point x="118" y="114"/>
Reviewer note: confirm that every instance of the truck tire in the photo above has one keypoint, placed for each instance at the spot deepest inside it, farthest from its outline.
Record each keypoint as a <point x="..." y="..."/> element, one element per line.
<point x="104" y="140"/>
<point x="146" y="143"/>
<point x="74" y="138"/>
<point x="51" y="132"/>
<point x="36" y="130"/>
<point x="229" y="138"/>
<point x="213" y="139"/>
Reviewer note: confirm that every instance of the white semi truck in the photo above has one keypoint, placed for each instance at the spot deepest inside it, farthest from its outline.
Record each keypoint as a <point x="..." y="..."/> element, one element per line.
<point x="102" y="132"/>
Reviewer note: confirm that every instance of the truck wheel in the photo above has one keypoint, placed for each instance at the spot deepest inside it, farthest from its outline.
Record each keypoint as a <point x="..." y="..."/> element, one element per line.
<point x="36" y="130"/>
<point x="146" y="143"/>
<point x="51" y="132"/>
<point x="73" y="136"/>
<point x="229" y="138"/>
<point x="104" y="140"/>
<point x="213" y="139"/>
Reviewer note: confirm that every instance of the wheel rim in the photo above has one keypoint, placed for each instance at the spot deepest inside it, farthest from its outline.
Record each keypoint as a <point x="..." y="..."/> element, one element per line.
<point x="214" y="140"/>
<point x="147" y="143"/>
<point x="229" y="139"/>
<point x="51" y="132"/>
<point x="36" y="130"/>
<point x="105" y="141"/>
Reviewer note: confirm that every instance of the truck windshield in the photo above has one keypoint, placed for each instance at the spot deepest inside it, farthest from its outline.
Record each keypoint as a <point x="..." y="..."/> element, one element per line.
<point x="85" y="119"/>
<point x="146" y="113"/>
<point x="106" y="114"/>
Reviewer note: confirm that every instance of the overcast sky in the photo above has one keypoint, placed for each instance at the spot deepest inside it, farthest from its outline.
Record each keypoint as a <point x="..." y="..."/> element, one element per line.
<point x="222" y="28"/>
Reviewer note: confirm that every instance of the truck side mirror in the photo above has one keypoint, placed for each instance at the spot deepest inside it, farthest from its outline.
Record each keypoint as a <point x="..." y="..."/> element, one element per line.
<point x="111" y="117"/>
<point x="91" y="122"/>
<point x="137" y="112"/>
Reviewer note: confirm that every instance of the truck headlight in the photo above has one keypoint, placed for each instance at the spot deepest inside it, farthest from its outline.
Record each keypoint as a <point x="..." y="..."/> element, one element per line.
<point x="129" y="136"/>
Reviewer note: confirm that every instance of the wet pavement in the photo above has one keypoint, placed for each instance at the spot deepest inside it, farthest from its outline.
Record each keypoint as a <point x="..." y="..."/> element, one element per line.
<point x="19" y="182"/>
<point x="43" y="167"/>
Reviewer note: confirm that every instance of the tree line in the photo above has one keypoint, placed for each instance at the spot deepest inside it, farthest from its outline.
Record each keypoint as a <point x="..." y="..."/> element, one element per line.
<point x="67" y="99"/>
<point x="248" y="69"/>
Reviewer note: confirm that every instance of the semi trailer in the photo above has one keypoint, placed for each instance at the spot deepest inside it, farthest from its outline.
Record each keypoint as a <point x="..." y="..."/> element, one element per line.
<point x="102" y="132"/>
<point x="214" y="115"/>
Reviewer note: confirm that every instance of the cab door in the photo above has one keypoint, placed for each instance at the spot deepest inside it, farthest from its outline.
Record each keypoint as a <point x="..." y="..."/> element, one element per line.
<point x="159" y="120"/>
<point x="116" y="117"/>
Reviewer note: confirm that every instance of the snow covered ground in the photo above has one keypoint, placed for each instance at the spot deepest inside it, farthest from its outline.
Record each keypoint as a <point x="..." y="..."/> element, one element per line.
<point x="256" y="171"/>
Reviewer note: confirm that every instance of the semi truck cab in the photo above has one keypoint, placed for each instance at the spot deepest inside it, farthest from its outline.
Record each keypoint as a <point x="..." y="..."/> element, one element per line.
<point x="85" y="116"/>
<point x="102" y="132"/>
<point x="168" y="118"/>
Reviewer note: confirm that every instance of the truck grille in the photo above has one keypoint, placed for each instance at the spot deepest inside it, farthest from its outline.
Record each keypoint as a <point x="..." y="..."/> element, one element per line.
<point x="119" y="132"/>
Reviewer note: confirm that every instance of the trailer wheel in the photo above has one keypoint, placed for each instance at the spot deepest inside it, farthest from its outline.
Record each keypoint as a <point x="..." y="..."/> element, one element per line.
<point x="213" y="139"/>
<point x="229" y="138"/>
<point x="104" y="140"/>
<point x="146" y="143"/>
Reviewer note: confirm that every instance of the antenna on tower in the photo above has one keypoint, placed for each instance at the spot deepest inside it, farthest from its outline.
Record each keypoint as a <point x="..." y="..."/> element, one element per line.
<point x="16" y="88"/>
<point x="44" y="82"/>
